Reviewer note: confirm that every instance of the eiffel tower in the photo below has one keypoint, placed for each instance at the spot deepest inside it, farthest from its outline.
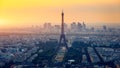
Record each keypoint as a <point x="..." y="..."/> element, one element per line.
<point x="62" y="41"/>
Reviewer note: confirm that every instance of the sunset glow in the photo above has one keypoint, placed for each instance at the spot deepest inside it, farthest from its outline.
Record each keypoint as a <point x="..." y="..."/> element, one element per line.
<point x="22" y="13"/>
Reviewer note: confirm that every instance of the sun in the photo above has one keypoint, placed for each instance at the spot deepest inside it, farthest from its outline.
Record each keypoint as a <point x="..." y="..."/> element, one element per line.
<point x="3" y="22"/>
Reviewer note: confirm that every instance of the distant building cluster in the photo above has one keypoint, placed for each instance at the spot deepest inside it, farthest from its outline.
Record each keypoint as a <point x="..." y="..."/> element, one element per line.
<point x="78" y="27"/>
<point x="74" y="27"/>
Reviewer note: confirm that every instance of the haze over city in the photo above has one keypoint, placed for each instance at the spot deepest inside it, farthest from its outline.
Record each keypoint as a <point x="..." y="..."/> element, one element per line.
<point x="25" y="13"/>
<point x="59" y="34"/>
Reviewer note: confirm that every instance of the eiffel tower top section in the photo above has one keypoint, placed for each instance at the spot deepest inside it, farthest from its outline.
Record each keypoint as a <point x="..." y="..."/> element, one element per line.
<point x="62" y="25"/>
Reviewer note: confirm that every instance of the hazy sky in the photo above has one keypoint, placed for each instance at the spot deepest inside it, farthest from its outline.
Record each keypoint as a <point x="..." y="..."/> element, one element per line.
<point x="22" y="13"/>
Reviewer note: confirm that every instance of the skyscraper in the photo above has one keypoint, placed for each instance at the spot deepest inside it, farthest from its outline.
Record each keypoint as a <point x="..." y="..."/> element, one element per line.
<point x="79" y="26"/>
<point x="73" y="27"/>
<point x="104" y="28"/>
<point x="84" y="26"/>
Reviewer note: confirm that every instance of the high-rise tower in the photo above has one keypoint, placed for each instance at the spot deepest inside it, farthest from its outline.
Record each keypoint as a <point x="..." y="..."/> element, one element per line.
<point x="62" y="41"/>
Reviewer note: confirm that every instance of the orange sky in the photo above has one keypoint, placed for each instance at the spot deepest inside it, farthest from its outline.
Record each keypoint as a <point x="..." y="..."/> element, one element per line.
<point x="22" y="13"/>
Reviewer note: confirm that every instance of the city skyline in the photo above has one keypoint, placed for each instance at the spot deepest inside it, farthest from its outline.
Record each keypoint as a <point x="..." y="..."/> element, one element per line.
<point x="23" y="13"/>
<point x="70" y="43"/>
